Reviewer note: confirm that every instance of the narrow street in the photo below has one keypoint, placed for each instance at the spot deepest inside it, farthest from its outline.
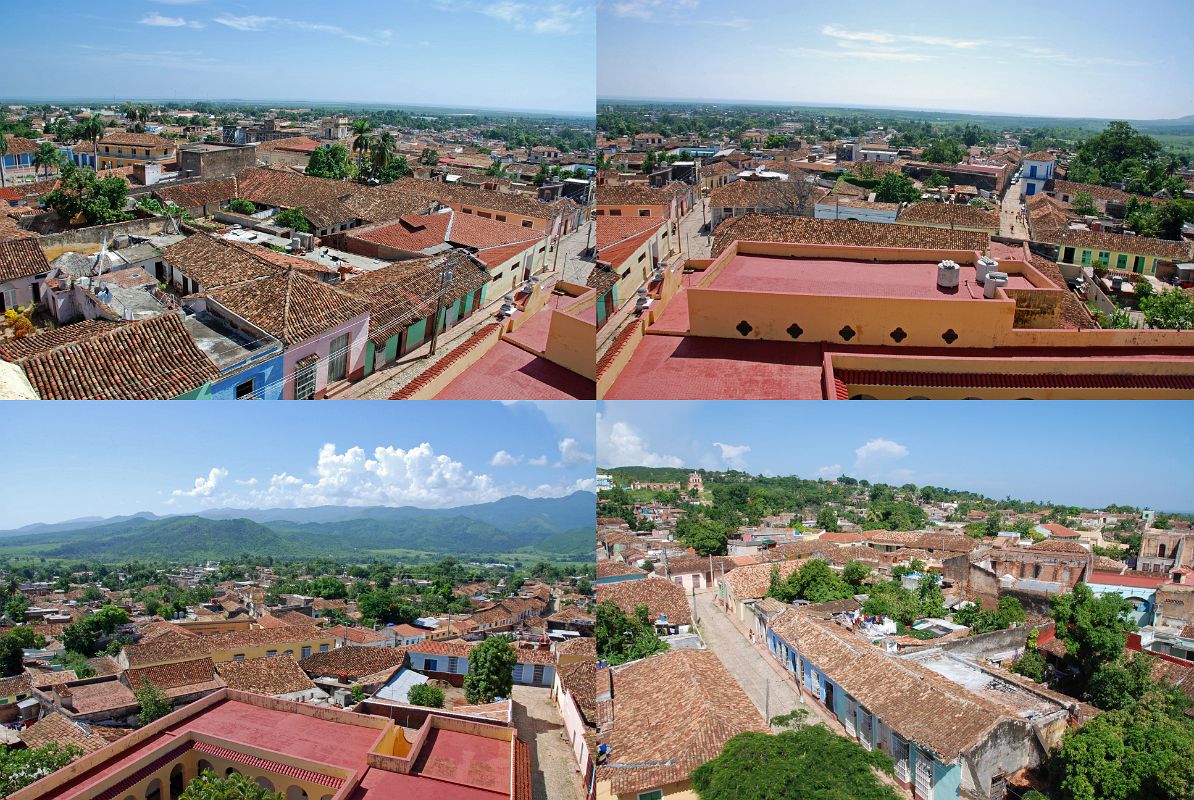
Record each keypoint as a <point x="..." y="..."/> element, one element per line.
<point x="760" y="676"/>
<point x="1011" y="223"/>
<point x="694" y="242"/>
<point x="554" y="775"/>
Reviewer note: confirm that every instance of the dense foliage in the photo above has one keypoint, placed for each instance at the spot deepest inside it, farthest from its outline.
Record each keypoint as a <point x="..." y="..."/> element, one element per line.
<point x="490" y="670"/>
<point x="425" y="694"/>
<point x="209" y="786"/>
<point x="809" y="763"/>
<point x="623" y="637"/>
<point x="21" y="767"/>
<point x="81" y="197"/>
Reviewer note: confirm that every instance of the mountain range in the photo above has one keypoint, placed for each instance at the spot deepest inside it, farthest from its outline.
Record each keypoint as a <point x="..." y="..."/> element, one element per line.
<point x="553" y="528"/>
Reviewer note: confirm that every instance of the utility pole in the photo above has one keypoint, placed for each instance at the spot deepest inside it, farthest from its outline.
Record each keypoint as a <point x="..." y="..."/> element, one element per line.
<point x="445" y="275"/>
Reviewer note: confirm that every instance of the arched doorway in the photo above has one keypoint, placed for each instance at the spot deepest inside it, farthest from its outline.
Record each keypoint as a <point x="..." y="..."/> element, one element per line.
<point x="205" y="766"/>
<point x="154" y="790"/>
<point x="296" y="793"/>
<point x="231" y="771"/>
<point x="265" y="783"/>
<point x="178" y="783"/>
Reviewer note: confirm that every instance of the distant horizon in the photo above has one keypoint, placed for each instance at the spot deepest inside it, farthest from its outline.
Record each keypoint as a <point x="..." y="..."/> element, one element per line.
<point x="398" y="105"/>
<point x="803" y="104"/>
<point x="204" y="512"/>
<point x="496" y="55"/>
<point x="1067" y="59"/>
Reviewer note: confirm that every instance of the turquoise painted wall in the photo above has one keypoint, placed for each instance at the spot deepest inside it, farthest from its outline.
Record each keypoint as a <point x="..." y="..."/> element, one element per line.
<point x="947" y="780"/>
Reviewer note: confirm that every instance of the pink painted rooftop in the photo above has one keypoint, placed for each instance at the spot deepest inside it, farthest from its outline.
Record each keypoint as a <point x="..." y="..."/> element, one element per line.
<point x="509" y="371"/>
<point x="451" y="765"/>
<point x="835" y="277"/>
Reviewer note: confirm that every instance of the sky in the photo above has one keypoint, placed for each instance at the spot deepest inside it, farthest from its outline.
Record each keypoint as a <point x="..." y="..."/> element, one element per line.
<point x="112" y="458"/>
<point x="510" y="54"/>
<point x="1096" y="58"/>
<point x="1084" y="453"/>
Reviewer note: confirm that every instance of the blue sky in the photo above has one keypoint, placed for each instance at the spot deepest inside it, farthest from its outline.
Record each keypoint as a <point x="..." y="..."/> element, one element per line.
<point x="1097" y="58"/>
<point x="105" y="459"/>
<point x="1082" y="453"/>
<point x="517" y="54"/>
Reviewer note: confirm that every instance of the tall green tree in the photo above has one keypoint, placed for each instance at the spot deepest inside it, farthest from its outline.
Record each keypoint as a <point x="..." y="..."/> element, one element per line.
<point x="1169" y="310"/>
<point x="1093" y="628"/>
<point x="625" y="637"/>
<point x="151" y="702"/>
<point x="490" y="670"/>
<point x="809" y="763"/>
<point x="292" y="218"/>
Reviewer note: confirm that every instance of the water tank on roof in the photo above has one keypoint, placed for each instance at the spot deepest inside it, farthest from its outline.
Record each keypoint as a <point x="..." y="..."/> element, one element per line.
<point x="984" y="265"/>
<point x="948" y="273"/>
<point x="993" y="282"/>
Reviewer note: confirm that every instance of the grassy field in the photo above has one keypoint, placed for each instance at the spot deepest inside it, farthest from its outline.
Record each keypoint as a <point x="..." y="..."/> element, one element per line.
<point x="1176" y="143"/>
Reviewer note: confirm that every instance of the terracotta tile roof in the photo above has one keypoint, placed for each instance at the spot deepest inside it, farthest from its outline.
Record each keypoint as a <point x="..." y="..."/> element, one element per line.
<point x="673" y="711"/>
<point x="321" y="200"/>
<point x="1040" y="155"/>
<point x="774" y="194"/>
<point x="578" y="646"/>
<point x="170" y="649"/>
<point x="580" y="679"/>
<point x="10" y="231"/>
<point x="632" y="195"/>
<point x="1061" y="531"/>
<point x="751" y="582"/>
<point x="137" y="140"/>
<point x="55" y="728"/>
<point x="1115" y="242"/>
<point x="273" y="676"/>
<point x="1095" y="191"/>
<point x="416" y="233"/>
<point x="17" y="684"/>
<point x="572" y="614"/>
<point x="840" y="537"/>
<point x="950" y="214"/>
<point x="804" y="230"/>
<point x="451" y="647"/>
<point x="15" y="349"/>
<point x="147" y="359"/>
<point x="41" y="679"/>
<point x="404" y="292"/>
<point x="292" y="306"/>
<point x="610" y="569"/>
<point x="483" y="198"/>
<point x="19" y="145"/>
<point x="382" y="203"/>
<point x="353" y="661"/>
<point x="176" y="675"/>
<point x="619" y="237"/>
<point x="659" y="595"/>
<point x="216" y="262"/>
<point x="916" y="702"/>
<point x="892" y="537"/>
<point x="947" y="542"/>
<point x="194" y="195"/>
<point x="21" y="258"/>
<point x="356" y="635"/>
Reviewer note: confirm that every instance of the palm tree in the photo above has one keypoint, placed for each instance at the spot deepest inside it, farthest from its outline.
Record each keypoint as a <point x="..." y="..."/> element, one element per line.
<point x="3" y="153"/>
<point x="143" y="113"/>
<point x="383" y="151"/>
<point x="129" y="110"/>
<point x="47" y="156"/>
<point x="361" y="141"/>
<point x="93" y="129"/>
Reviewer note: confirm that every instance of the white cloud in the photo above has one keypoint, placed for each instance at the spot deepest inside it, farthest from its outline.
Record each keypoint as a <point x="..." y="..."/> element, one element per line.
<point x="204" y="486"/>
<point x="387" y="476"/>
<point x="161" y="21"/>
<point x="732" y="454"/>
<point x="867" y="55"/>
<point x="537" y="462"/>
<point x="829" y="471"/>
<point x="550" y="18"/>
<point x="620" y="445"/>
<point x="571" y="452"/>
<point x="503" y="459"/>
<point x="249" y="482"/>
<point x="876" y="460"/>
<point x="882" y="37"/>
<point x="252" y="23"/>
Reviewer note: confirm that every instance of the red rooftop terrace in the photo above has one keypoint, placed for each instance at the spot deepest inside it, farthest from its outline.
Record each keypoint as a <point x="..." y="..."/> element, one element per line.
<point x="304" y="752"/>
<point x="768" y="320"/>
